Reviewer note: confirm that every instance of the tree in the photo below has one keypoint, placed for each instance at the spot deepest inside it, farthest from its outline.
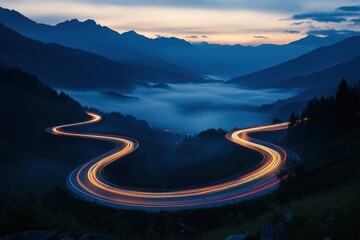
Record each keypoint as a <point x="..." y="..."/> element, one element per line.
<point x="343" y="92"/>
<point x="293" y="118"/>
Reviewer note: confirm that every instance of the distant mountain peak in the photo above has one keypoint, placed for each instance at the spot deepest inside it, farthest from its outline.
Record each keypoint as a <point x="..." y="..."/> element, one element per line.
<point x="7" y="10"/>
<point x="68" y="22"/>
<point x="172" y="41"/>
<point x="90" y="22"/>
<point x="316" y="40"/>
<point x="130" y="33"/>
<point x="312" y="36"/>
<point x="306" y="39"/>
<point x="76" y="22"/>
<point x="12" y="16"/>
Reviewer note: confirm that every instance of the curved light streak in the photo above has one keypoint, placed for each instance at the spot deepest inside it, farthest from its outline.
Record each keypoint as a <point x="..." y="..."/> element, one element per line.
<point x="88" y="183"/>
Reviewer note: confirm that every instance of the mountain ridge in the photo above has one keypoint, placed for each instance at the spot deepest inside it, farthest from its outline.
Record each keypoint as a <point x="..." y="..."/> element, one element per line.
<point x="314" y="61"/>
<point x="327" y="77"/>
<point x="200" y="59"/>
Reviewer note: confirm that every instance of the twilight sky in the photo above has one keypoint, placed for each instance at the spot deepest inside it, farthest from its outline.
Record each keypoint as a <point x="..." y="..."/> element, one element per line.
<point x="219" y="21"/>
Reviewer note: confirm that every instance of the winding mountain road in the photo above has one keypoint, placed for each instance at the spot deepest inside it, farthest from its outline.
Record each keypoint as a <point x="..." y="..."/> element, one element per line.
<point x="87" y="182"/>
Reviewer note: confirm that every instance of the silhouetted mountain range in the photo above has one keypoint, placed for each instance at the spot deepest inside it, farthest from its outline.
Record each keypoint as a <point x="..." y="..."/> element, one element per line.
<point x="69" y="68"/>
<point x="166" y="53"/>
<point x="90" y="36"/>
<point x="317" y="62"/>
<point x="63" y="67"/>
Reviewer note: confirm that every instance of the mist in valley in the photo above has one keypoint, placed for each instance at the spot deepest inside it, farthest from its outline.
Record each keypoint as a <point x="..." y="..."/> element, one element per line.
<point x="189" y="108"/>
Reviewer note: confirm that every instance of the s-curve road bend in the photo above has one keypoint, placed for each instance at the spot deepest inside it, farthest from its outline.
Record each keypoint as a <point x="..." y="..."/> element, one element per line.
<point x="87" y="182"/>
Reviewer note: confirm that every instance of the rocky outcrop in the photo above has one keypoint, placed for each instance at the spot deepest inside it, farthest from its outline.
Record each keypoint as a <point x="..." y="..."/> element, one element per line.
<point x="273" y="231"/>
<point x="277" y="229"/>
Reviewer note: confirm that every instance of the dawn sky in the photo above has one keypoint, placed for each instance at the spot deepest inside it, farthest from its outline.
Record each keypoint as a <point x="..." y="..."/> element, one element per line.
<point x="218" y="21"/>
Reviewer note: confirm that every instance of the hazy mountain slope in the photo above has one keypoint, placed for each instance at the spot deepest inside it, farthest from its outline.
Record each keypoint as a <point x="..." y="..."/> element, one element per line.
<point x="63" y="67"/>
<point x="329" y="77"/>
<point x="233" y="60"/>
<point x="314" y="61"/>
<point x="154" y="74"/>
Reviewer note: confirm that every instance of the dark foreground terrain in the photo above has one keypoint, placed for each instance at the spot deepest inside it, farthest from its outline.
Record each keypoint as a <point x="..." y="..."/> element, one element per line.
<point x="320" y="200"/>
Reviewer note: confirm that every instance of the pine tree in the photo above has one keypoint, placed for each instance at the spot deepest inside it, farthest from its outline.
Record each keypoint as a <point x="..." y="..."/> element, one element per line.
<point x="292" y="118"/>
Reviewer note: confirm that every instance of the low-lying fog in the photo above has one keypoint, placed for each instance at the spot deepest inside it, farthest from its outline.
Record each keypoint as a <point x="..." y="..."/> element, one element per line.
<point x="189" y="108"/>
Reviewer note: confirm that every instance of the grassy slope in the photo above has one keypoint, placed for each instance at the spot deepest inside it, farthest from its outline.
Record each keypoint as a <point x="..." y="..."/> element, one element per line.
<point x="313" y="216"/>
<point x="324" y="197"/>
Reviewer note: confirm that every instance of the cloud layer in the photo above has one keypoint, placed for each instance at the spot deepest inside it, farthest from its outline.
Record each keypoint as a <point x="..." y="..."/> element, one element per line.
<point x="343" y="20"/>
<point x="341" y="14"/>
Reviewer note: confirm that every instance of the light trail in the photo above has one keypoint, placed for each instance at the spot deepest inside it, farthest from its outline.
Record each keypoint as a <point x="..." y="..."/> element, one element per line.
<point x="88" y="183"/>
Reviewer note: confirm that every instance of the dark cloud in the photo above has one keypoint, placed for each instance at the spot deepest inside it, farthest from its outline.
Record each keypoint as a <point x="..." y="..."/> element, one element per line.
<point x="336" y="17"/>
<point x="341" y="14"/>
<point x="261" y="37"/>
<point x="161" y="36"/>
<point x="356" y="21"/>
<point x="346" y="15"/>
<point x="301" y="22"/>
<point x="192" y="37"/>
<point x="292" y="31"/>
<point x="332" y="32"/>
<point x="204" y="36"/>
<point x="349" y="8"/>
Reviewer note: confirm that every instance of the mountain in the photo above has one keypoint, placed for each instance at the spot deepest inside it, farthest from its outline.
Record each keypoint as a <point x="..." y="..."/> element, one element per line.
<point x="151" y="72"/>
<point x="119" y="96"/>
<point x="314" y="61"/>
<point x="162" y="53"/>
<point x="228" y="61"/>
<point x="90" y="36"/>
<point x="32" y="107"/>
<point x="82" y="35"/>
<point x="63" y="67"/>
<point x="313" y="40"/>
<point x="328" y="77"/>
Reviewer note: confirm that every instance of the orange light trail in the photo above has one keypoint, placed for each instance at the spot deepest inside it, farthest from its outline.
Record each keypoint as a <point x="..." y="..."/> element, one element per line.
<point x="88" y="183"/>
